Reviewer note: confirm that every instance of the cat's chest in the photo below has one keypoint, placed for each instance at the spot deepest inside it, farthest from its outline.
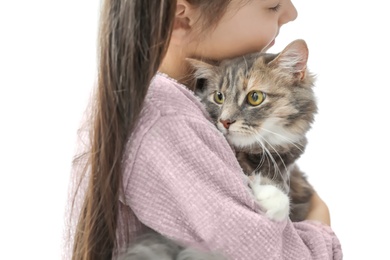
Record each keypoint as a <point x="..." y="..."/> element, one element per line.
<point x="264" y="163"/>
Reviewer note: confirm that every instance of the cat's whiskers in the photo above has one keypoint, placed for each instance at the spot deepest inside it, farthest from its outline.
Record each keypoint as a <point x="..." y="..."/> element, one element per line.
<point x="263" y="157"/>
<point x="283" y="176"/>
<point x="276" y="168"/>
<point x="285" y="138"/>
<point x="252" y="132"/>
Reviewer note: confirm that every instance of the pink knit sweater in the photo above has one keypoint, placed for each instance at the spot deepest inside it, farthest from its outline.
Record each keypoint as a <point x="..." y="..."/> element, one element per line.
<point x="182" y="179"/>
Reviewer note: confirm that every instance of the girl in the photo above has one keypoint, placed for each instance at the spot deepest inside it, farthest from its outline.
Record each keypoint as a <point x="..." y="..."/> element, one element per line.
<point x="153" y="160"/>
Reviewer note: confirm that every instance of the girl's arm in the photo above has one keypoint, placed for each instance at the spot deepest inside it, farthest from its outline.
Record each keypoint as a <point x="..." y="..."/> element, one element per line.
<point x="186" y="184"/>
<point x="319" y="210"/>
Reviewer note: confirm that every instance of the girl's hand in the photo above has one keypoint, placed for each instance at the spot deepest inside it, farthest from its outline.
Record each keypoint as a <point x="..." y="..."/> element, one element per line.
<point x="319" y="211"/>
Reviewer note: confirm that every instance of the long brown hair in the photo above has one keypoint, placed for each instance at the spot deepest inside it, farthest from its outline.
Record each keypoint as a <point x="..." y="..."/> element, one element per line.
<point x="133" y="39"/>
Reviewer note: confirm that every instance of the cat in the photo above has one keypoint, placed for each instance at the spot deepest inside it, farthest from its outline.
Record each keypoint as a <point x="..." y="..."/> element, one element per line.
<point x="264" y="104"/>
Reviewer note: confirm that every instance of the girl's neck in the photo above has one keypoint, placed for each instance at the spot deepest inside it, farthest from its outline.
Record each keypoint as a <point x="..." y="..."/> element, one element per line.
<point x="176" y="67"/>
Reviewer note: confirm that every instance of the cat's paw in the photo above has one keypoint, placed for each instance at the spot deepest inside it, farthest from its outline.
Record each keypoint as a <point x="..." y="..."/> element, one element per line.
<point x="273" y="201"/>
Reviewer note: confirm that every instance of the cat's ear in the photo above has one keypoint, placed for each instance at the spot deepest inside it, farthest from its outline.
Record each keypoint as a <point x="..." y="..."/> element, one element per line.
<point x="203" y="70"/>
<point x="293" y="58"/>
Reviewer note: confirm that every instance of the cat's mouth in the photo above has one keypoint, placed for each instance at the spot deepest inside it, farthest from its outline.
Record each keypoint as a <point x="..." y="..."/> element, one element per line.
<point x="239" y="138"/>
<point x="245" y="138"/>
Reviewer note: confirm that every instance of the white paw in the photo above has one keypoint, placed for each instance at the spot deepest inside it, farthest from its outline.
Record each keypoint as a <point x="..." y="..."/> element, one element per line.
<point x="272" y="200"/>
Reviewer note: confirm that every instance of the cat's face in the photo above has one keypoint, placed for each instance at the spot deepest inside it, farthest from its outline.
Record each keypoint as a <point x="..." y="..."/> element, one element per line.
<point x="262" y="99"/>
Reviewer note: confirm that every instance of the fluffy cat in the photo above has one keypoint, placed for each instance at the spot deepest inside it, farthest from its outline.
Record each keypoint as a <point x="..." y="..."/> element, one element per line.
<point x="264" y="105"/>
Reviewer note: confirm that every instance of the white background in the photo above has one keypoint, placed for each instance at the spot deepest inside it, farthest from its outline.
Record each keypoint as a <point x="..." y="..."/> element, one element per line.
<point x="47" y="69"/>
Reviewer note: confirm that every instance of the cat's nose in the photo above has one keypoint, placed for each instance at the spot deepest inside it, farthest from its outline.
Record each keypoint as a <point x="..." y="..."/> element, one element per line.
<point x="227" y="123"/>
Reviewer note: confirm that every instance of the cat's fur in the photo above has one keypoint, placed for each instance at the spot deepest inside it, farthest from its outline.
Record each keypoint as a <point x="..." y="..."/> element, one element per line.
<point x="269" y="137"/>
<point x="153" y="246"/>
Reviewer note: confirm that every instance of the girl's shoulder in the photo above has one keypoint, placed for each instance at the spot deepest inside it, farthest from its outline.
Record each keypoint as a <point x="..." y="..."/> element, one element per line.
<point x="170" y="97"/>
<point x="170" y="111"/>
<point x="168" y="102"/>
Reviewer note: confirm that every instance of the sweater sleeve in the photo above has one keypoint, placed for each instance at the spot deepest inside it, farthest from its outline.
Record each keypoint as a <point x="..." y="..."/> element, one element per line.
<point x="186" y="184"/>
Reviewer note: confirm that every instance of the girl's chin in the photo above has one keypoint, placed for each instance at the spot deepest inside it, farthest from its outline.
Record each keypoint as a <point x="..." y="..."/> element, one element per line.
<point x="266" y="48"/>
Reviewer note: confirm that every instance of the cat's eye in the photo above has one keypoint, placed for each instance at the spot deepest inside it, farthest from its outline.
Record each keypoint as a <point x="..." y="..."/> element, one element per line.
<point x="255" y="97"/>
<point x="219" y="97"/>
